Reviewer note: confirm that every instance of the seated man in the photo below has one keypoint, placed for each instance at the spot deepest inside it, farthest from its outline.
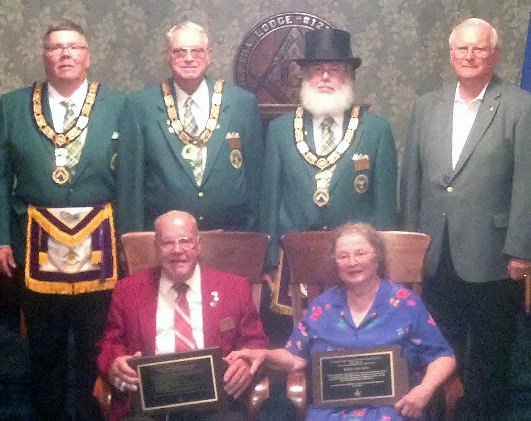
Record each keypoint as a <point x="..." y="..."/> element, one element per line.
<point x="151" y="314"/>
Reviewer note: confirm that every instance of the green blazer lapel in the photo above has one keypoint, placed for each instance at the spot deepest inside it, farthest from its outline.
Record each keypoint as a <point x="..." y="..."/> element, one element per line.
<point x="218" y="138"/>
<point x="95" y="133"/>
<point x="441" y="142"/>
<point x="345" y="163"/>
<point x="486" y="112"/>
<point x="174" y="142"/>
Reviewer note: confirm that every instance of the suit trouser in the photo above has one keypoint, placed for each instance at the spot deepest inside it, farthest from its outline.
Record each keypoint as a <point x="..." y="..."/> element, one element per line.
<point x="479" y="322"/>
<point x="51" y="320"/>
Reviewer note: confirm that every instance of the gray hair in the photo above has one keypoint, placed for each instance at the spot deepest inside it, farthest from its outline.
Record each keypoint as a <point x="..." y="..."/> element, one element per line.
<point x="494" y="41"/>
<point x="187" y="26"/>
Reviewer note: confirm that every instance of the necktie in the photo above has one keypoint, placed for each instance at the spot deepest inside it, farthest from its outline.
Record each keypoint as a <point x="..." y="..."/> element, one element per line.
<point x="189" y="123"/>
<point x="328" y="142"/>
<point x="190" y="126"/>
<point x="182" y="325"/>
<point x="74" y="148"/>
<point x="70" y="115"/>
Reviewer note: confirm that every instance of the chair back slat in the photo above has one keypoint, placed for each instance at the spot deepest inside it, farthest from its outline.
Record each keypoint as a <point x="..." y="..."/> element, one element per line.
<point x="241" y="253"/>
<point x="309" y="256"/>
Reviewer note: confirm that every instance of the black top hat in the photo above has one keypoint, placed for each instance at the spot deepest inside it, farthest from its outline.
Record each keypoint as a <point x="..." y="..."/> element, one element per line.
<point x="328" y="45"/>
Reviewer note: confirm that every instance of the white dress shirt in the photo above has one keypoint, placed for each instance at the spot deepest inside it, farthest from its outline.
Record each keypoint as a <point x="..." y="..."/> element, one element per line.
<point x="58" y="110"/>
<point x="464" y="115"/>
<point x="165" y="336"/>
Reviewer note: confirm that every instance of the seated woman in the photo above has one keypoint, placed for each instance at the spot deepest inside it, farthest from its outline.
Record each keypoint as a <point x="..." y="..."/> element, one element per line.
<point x="365" y="310"/>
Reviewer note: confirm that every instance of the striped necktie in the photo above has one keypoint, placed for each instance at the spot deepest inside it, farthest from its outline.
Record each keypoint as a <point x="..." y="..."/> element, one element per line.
<point x="74" y="148"/>
<point x="190" y="126"/>
<point x="182" y="324"/>
<point x="328" y="142"/>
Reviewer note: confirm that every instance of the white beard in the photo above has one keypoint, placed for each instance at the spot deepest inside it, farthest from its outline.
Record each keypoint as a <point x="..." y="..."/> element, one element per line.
<point x="319" y="104"/>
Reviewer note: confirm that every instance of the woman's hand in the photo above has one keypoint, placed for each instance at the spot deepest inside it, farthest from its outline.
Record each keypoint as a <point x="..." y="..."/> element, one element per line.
<point x="255" y="357"/>
<point x="415" y="401"/>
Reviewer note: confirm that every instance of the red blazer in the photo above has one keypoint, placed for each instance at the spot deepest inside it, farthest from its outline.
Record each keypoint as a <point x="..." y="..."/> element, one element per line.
<point x="232" y="324"/>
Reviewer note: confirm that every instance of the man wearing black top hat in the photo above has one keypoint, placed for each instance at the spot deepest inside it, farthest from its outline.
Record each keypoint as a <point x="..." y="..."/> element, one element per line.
<point x="328" y="162"/>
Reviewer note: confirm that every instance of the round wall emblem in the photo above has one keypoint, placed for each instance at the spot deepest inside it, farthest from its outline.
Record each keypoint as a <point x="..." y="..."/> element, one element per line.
<point x="264" y="62"/>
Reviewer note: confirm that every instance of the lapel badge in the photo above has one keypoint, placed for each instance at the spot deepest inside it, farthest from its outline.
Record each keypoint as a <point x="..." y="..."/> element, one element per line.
<point x="361" y="183"/>
<point x="215" y="299"/>
<point x="115" y="135"/>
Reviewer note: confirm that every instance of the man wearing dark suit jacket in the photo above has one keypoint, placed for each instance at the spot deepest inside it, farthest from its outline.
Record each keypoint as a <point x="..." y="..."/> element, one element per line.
<point x="57" y="152"/>
<point x="311" y="183"/>
<point x="465" y="182"/>
<point x="190" y="143"/>
<point x="141" y="318"/>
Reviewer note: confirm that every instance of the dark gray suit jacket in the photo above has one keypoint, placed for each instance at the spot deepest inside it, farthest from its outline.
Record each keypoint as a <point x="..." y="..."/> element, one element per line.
<point x="486" y="199"/>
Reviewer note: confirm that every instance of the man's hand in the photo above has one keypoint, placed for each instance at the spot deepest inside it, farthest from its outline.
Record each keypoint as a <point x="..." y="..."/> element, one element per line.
<point x="414" y="402"/>
<point x="237" y="378"/>
<point x="121" y="375"/>
<point x="517" y="268"/>
<point x="7" y="261"/>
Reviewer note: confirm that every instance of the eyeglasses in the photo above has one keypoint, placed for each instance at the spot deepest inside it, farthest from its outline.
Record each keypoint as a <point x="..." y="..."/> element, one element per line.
<point x="357" y="255"/>
<point x="56" y="50"/>
<point x="333" y="70"/>
<point x="476" y="52"/>
<point x="183" y="53"/>
<point x="184" y="243"/>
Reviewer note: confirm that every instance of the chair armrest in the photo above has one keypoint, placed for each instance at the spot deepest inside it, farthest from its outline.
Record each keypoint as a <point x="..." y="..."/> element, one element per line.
<point x="102" y="393"/>
<point x="453" y="392"/>
<point x="296" y="390"/>
<point x="257" y="395"/>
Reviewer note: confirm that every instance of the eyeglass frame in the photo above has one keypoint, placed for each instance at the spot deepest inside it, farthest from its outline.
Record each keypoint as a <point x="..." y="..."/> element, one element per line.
<point x="184" y="243"/>
<point x="57" y="49"/>
<point x="475" y="52"/>
<point x="182" y="53"/>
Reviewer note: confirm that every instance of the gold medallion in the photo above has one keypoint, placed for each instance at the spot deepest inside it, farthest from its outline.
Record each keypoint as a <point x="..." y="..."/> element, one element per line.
<point x="236" y="158"/>
<point x="190" y="152"/>
<point x="322" y="163"/>
<point x="321" y="197"/>
<point x="361" y="183"/>
<point x="60" y="175"/>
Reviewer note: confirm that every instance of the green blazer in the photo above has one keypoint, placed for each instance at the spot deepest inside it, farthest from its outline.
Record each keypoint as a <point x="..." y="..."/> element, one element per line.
<point x="154" y="178"/>
<point x="27" y="161"/>
<point x="485" y="201"/>
<point x="289" y="181"/>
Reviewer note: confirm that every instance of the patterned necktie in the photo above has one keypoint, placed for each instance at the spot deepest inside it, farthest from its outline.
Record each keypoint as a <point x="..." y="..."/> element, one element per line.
<point x="74" y="148"/>
<point x="70" y="115"/>
<point x="190" y="126"/>
<point x="328" y="142"/>
<point x="182" y="325"/>
<point x="189" y="123"/>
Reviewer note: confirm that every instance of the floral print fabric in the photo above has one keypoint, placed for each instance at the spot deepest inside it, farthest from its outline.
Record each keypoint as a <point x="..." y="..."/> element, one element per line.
<point x="397" y="316"/>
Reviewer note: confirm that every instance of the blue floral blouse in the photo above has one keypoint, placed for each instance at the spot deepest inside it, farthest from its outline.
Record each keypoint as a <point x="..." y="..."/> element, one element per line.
<point x="397" y="316"/>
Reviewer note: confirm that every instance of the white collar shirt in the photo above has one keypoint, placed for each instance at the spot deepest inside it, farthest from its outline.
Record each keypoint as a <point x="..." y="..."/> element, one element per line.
<point x="58" y="110"/>
<point x="337" y="129"/>
<point x="165" y="336"/>
<point x="200" y="104"/>
<point x="464" y="115"/>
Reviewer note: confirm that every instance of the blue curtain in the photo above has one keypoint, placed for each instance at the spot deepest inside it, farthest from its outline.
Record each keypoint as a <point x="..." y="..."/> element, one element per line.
<point x="526" y="70"/>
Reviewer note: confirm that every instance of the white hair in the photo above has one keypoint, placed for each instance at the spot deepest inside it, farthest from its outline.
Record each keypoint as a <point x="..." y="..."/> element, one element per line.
<point x="494" y="41"/>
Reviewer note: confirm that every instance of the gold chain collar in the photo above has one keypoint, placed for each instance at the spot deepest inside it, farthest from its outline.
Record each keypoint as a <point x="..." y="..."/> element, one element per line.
<point x="61" y="140"/>
<point x="324" y="162"/>
<point x="212" y="122"/>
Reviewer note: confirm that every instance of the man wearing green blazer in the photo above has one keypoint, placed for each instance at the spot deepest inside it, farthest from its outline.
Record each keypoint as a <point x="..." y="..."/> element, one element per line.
<point x="328" y="162"/>
<point x="190" y="144"/>
<point x="465" y="182"/>
<point x="57" y="157"/>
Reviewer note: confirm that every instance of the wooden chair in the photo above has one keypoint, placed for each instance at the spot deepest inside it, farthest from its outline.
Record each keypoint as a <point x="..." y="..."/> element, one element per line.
<point x="242" y="253"/>
<point x="311" y="262"/>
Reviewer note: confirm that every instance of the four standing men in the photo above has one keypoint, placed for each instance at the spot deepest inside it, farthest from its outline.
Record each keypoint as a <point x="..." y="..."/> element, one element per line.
<point x="191" y="144"/>
<point x="194" y="144"/>
<point x="465" y="182"/>
<point x="57" y="156"/>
